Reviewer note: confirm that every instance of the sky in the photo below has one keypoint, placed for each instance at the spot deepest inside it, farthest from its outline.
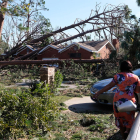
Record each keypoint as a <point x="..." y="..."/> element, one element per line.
<point x="64" y="12"/>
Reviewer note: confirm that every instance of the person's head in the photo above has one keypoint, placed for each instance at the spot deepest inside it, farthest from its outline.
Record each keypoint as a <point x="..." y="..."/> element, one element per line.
<point x="126" y="66"/>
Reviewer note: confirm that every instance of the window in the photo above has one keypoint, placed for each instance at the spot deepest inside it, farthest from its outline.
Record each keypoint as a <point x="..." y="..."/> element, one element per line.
<point x="75" y="55"/>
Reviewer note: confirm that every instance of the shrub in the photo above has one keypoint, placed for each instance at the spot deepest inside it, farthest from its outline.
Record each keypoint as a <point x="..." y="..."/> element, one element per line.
<point x="73" y="71"/>
<point x="22" y="112"/>
<point x="58" y="79"/>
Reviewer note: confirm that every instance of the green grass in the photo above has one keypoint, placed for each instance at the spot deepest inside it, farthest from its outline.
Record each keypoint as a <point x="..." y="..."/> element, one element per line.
<point x="67" y="125"/>
<point x="61" y="99"/>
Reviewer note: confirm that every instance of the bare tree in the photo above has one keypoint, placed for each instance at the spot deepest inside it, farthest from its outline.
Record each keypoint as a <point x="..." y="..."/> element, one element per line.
<point x="110" y="21"/>
<point x="112" y="17"/>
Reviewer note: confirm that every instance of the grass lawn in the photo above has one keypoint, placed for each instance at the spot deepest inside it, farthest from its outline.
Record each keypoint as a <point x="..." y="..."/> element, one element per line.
<point x="70" y="125"/>
<point x="81" y="126"/>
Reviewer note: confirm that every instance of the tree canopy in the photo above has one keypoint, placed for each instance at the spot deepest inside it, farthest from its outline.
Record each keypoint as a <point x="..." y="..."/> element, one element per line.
<point x="24" y="19"/>
<point x="130" y="41"/>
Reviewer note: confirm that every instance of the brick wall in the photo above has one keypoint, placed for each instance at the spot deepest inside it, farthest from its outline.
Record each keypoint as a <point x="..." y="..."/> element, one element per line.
<point x="104" y="52"/>
<point x="23" y="52"/>
<point x="48" y="53"/>
<point x="84" y="54"/>
<point x="53" y="53"/>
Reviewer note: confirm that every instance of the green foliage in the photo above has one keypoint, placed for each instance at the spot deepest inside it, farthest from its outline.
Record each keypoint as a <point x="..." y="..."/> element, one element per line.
<point x="95" y="55"/>
<point x="26" y="14"/>
<point x="23" y="7"/>
<point x="95" y="139"/>
<point x="127" y="12"/>
<point x="58" y="79"/>
<point x="73" y="71"/>
<point x="88" y="37"/>
<point x="87" y="121"/>
<point x="3" y="46"/>
<point x="112" y="55"/>
<point x="131" y="44"/>
<point x="22" y="112"/>
<point x="138" y="2"/>
<point x="59" y="137"/>
<point x="99" y="125"/>
<point x="14" y="74"/>
<point x="124" y="45"/>
<point x="22" y="28"/>
<point x="76" y="137"/>
<point x="133" y="17"/>
<point x="130" y="41"/>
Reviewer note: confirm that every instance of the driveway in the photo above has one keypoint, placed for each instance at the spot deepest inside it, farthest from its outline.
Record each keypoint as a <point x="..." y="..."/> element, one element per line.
<point x="86" y="105"/>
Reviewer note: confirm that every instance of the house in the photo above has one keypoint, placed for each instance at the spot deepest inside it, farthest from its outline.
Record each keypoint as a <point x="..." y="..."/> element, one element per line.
<point x="81" y="50"/>
<point x="24" y="50"/>
<point x="87" y="50"/>
<point x="49" y="52"/>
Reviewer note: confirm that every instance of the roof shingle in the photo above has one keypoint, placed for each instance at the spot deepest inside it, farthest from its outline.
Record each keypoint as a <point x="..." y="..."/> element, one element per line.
<point x="93" y="45"/>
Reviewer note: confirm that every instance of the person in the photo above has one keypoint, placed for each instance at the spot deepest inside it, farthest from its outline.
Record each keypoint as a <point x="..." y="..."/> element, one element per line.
<point x="127" y="84"/>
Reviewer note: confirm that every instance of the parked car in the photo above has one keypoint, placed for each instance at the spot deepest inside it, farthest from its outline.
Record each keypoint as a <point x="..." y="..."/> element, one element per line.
<point x="107" y="97"/>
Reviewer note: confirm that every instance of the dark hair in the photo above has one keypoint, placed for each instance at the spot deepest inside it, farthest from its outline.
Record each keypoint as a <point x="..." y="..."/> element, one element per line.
<point x="126" y="66"/>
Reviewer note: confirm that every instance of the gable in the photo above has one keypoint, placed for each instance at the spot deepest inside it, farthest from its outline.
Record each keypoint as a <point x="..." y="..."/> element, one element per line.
<point x="23" y="49"/>
<point x="49" y="51"/>
<point x="47" y="47"/>
<point x="72" y="45"/>
<point x="107" y="44"/>
<point x="91" y="46"/>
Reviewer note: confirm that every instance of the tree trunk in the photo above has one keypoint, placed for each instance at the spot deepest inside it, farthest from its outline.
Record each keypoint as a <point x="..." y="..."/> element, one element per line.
<point x="4" y="4"/>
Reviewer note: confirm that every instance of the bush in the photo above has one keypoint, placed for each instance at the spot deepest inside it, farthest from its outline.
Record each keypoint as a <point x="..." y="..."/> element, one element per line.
<point x="73" y="71"/>
<point x="58" y="79"/>
<point x="21" y="112"/>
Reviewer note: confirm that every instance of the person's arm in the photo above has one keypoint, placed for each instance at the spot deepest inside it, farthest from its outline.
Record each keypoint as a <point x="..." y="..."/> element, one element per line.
<point x="137" y="89"/>
<point x="106" y="88"/>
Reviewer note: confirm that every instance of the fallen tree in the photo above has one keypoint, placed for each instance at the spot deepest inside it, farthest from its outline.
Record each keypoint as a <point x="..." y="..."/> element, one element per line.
<point x="111" y="19"/>
<point x="27" y="62"/>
